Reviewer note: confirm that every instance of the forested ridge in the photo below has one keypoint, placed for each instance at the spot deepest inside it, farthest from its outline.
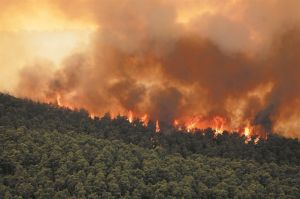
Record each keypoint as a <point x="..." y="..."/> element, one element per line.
<point x="53" y="152"/>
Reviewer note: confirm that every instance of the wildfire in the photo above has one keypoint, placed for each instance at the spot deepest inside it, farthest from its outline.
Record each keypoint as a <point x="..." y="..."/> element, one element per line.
<point x="145" y="120"/>
<point x="157" y="128"/>
<point x="176" y="123"/>
<point x="248" y="133"/>
<point x="190" y="126"/>
<point x="217" y="123"/>
<point x="92" y="115"/>
<point x="219" y="131"/>
<point x="58" y="100"/>
<point x="130" y="116"/>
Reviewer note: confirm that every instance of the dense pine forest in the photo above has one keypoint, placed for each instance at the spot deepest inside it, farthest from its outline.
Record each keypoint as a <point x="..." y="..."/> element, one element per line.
<point x="53" y="152"/>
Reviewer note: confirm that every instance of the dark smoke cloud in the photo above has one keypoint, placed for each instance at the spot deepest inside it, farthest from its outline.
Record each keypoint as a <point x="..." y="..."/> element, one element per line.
<point x="284" y="68"/>
<point x="143" y="60"/>
<point x="165" y="104"/>
<point x="128" y="93"/>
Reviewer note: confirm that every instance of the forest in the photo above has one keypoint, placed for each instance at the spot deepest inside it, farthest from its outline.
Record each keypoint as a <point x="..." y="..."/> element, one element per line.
<point x="53" y="152"/>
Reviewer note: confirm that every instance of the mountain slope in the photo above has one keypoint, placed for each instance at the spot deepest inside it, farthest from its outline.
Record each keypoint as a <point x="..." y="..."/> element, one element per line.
<point x="15" y="113"/>
<point x="42" y="164"/>
<point x="53" y="152"/>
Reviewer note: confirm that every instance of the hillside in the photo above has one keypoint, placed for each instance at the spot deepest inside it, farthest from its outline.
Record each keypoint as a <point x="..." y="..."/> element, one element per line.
<point x="45" y="164"/>
<point x="52" y="152"/>
<point x="15" y="113"/>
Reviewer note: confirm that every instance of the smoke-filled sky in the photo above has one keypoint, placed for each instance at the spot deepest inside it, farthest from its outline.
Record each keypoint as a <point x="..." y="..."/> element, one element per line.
<point x="170" y="59"/>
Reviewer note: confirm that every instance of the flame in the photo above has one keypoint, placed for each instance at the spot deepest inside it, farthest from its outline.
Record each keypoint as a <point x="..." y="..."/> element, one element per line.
<point x="92" y="115"/>
<point x="145" y="120"/>
<point x="247" y="131"/>
<point x="176" y="123"/>
<point x="247" y="134"/>
<point x="217" y="123"/>
<point x="191" y="125"/>
<point x="130" y="116"/>
<point x="219" y="131"/>
<point x="157" y="128"/>
<point x="58" y="100"/>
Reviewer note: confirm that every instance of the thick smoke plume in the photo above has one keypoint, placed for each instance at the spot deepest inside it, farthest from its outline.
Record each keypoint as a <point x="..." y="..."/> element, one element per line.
<point x="237" y="60"/>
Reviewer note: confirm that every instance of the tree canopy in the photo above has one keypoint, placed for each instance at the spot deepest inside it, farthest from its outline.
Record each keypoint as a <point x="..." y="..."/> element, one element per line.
<point x="52" y="152"/>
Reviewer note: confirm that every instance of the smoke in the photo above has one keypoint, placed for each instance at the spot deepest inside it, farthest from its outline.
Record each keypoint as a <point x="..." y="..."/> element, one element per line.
<point x="165" y="104"/>
<point x="237" y="60"/>
<point x="284" y="65"/>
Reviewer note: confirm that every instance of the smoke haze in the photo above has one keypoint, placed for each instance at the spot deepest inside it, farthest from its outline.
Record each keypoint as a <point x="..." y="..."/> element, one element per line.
<point x="175" y="60"/>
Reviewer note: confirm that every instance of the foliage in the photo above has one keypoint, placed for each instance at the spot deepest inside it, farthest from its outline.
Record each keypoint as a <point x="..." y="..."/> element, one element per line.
<point x="52" y="152"/>
<point x="45" y="164"/>
<point x="15" y="113"/>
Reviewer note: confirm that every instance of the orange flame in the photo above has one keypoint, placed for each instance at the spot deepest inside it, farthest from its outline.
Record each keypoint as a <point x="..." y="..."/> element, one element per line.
<point x="145" y="120"/>
<point x="92" y="115"/>
<point x="248" y="133"/>
<point x="130" y="116"/>
<point x="190" y="126"/>
<point x="58" y="100"/>
<point x="176" y="123"/>
<point x="218" y="123"/>
<point x="157" y="128"/>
